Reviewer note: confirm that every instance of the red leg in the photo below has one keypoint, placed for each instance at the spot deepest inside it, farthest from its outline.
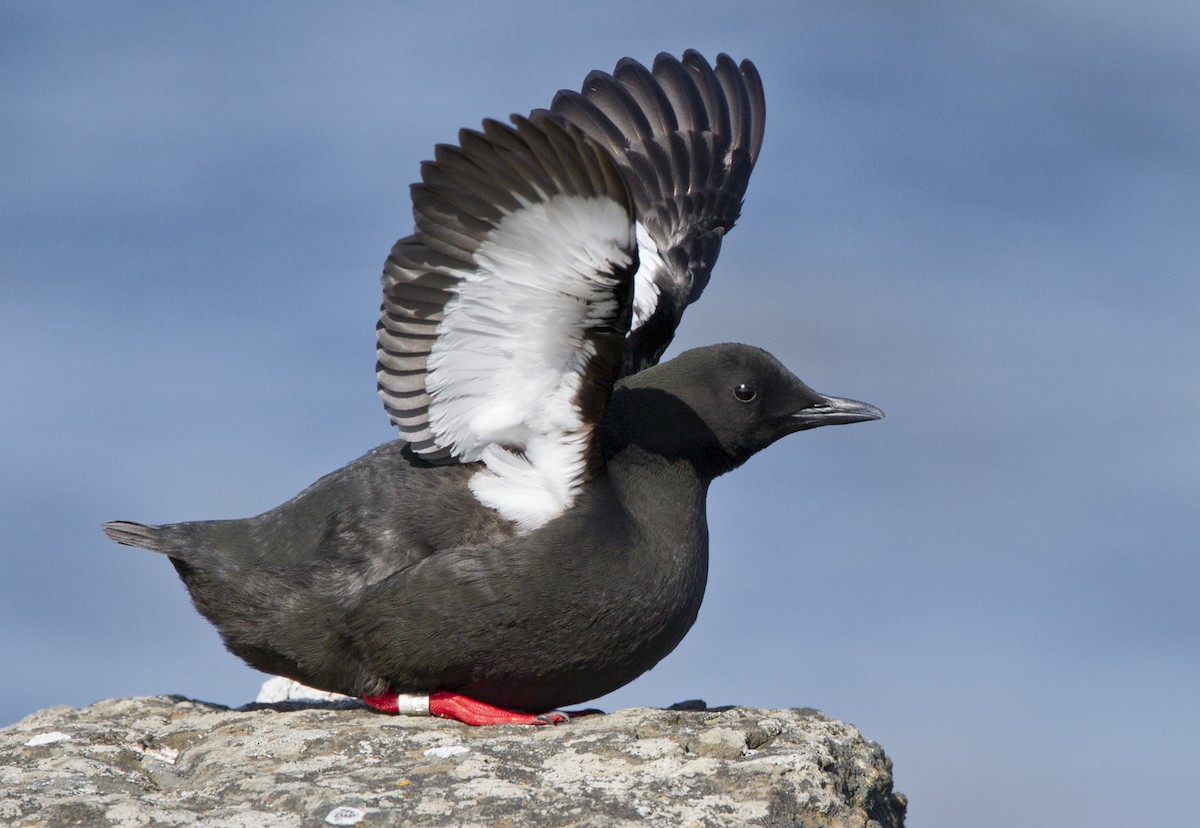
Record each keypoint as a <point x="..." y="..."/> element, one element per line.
<point x="470" y="711"/>
<point x="384" y="702"/>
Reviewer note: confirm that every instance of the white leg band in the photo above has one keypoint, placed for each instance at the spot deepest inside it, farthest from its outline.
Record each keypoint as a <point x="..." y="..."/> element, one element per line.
<point x="410" y="705"/>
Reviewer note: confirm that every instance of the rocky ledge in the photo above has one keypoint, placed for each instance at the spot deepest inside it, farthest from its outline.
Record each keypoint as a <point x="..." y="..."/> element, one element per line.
<point x="167" y="760"/>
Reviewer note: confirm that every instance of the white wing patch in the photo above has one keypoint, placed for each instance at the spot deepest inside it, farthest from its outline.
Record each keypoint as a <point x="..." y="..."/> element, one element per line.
<point x="645" y="288"/>
<point x="512" y="349"/>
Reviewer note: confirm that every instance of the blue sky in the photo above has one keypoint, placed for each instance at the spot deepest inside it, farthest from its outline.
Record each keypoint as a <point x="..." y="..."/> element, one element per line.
<point x="981" y="217"/>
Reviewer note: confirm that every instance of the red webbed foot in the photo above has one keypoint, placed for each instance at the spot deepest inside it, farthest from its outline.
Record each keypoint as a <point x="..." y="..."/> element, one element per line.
<point x="449" y="705"/>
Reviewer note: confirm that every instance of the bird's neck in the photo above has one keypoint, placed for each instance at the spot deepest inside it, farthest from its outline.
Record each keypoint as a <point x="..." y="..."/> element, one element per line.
<point x="650" y="431"/>
<point x="665" y="496"/>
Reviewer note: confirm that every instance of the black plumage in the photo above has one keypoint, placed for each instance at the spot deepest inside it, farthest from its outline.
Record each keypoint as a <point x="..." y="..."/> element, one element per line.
<point x="538" y="536"/>
<point x="388" y="575"/>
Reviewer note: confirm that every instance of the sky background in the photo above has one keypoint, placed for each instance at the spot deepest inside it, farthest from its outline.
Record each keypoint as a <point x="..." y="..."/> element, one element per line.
<point x="982" y="217"/>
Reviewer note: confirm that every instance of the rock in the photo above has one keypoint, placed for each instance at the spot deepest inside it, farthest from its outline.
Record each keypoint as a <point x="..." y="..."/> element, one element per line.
<point x="166" y="760"/>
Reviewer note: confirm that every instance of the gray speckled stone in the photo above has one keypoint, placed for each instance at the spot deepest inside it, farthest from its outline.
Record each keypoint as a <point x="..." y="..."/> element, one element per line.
<point x="169" y="761"/>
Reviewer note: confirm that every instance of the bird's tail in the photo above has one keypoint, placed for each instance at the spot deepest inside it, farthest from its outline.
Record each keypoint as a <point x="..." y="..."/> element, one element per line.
<point x="144" y="536"/>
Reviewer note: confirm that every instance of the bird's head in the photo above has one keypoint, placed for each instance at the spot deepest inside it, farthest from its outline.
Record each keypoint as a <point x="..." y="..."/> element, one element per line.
<point x="718" y="405"/>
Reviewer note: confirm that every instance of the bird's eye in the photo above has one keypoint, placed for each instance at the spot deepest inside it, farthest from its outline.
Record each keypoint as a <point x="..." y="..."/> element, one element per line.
<point x="745" y="392"/>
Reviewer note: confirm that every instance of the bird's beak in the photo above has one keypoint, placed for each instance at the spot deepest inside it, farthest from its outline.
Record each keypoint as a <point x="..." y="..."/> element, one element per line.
<point x="834" y="411"/>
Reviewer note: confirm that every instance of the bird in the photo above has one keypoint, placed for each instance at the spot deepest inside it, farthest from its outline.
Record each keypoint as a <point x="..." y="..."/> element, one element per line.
<point x="536" y="537"/>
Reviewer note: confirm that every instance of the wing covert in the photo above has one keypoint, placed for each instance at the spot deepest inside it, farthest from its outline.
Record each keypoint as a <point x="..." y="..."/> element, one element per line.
<point x="505" y="313"/>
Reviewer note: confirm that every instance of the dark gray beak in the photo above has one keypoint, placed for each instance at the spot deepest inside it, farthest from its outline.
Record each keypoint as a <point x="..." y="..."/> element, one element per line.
<point x="835" y="411"/>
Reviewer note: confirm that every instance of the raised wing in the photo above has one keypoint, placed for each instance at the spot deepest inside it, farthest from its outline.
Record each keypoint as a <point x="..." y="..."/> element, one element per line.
<point x="505" y="314"/>
<point x="685" y="135"/>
